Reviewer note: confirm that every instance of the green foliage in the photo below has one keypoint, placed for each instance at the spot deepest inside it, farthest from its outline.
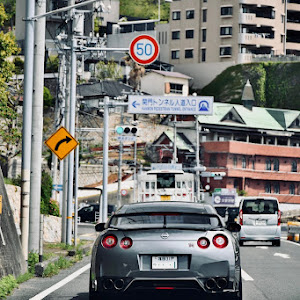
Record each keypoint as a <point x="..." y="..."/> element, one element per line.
<point x="52" y="64"/>
<point x="109" y="70"/>
<point x="7" y="285"/>
<point x="48" y="205"/>
<point x="274" y="84"/>
<point x="13" y="181"/>
<point x="54" y="268"/>
<point x="241" y="192"/>
<point x="24" y="277"/>
<point x="33" y="259"/>
<point x="19" y="65"/>
<point x="48" y="99"/>
<point x="10" y="9"/>
<point x="145" y="9"/>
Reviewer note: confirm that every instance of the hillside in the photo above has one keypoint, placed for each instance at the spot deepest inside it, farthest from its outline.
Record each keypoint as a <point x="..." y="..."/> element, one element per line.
<point x="144" y="9"/>
<point x="274" y="84"/>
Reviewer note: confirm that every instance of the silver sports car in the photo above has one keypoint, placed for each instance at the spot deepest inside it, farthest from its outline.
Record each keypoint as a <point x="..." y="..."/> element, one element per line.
<point x="178" y="248"/>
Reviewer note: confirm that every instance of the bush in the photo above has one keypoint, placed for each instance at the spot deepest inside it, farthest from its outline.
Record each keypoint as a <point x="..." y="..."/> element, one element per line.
<point x="7" y="285"/>
<point x="48" y="205"/>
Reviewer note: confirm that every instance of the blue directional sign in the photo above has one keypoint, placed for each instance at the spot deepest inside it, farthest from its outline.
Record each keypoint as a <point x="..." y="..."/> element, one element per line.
<point x="170" y="105"/>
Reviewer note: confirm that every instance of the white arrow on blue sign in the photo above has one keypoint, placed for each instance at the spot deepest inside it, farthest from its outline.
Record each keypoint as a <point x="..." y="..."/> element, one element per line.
<point x="170" y="105"/>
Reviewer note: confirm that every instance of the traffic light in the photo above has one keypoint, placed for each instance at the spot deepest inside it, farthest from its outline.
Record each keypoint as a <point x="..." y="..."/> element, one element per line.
<point x="126" y="130"/>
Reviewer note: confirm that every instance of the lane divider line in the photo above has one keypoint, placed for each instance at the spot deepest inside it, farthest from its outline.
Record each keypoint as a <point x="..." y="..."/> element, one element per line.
<point x="61" y="283"/>
<point x="246" y="276"/>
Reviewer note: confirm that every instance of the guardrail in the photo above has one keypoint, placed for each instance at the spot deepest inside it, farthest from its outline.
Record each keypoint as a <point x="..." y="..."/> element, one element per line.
<point x="293" y="229"/>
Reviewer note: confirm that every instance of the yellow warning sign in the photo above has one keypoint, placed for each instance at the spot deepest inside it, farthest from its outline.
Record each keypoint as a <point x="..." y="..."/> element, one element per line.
<point x="0" y="204"/>
<point x="61" y="143"/>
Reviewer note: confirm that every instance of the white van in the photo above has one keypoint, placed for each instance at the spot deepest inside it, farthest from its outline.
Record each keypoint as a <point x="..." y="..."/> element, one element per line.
<point x="260" y="219"/>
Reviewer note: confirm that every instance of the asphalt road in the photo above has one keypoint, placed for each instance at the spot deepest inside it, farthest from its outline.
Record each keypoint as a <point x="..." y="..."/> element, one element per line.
<point x="268" y="273"/>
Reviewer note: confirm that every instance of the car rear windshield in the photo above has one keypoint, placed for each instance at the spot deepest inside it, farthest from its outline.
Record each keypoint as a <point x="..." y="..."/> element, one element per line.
<point x="260" y="206"/>
<point x="166" y="220"/>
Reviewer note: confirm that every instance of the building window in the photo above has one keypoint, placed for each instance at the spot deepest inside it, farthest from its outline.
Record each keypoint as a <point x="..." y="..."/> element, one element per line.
<point x="253" y="165"/>
<point x="189" y="53"/>
<point x="225" y="51"/>
<point x="203" y="35"/>
<point x="294" y="166"/>
<point x="276" y="165"/>
<point x="292" y="189"/>
<point x="244" y="162"/>
<point x="203" y="54"/>
<point x="225" y="31"/>
<point x="176" y="15"/>
<point x="268" y="188"/>
<point x="204" y="15"/>
<point x="175" y="35"/>
<point x="189" y="34"/>
<point x="235" y="161"/>
<point x="190" y="14"/>
<point x="276" y="188"/>
<point x="268" y="165"/>
<point x="226" y="11"/>
<point x="175" y="54"/>
<point x="176" y="88"/>
<point x="213" y="160"/>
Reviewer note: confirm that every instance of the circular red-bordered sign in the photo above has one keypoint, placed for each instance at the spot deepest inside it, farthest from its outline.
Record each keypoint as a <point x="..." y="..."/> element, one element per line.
<point x="144" y="49"/>
<point x="123" y="192"/>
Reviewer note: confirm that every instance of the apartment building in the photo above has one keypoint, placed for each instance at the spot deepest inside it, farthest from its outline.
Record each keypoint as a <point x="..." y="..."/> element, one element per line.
<point x="212" y="35"/>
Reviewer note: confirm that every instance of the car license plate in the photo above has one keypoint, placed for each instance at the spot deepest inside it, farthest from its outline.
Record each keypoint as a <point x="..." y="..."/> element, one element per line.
<point x="164" y="262"/>
<point x="165" y="197"/>
<point x="260" y="222"/>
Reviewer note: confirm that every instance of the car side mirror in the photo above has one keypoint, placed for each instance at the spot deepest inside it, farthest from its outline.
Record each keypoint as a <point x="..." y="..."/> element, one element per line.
<point x="234" y="227"/>
<point x="100" y="227"/>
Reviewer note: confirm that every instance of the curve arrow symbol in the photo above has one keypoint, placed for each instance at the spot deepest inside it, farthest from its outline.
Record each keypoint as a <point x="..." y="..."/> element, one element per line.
<point x="67" y="140"/>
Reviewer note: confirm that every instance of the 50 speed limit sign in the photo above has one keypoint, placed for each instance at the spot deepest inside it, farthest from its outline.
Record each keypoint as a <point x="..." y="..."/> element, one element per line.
<point x="144" y="49"/>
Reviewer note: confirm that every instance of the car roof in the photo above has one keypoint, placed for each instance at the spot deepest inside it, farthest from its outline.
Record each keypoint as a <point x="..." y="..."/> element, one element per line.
<point x="259" y="198"/>
<point x="170" y="206"/>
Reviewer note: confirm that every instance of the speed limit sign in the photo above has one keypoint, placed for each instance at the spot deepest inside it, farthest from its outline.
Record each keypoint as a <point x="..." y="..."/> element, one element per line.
<point x="144" y="49"/>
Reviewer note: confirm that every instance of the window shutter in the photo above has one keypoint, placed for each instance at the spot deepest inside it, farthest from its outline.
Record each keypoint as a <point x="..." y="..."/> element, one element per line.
<point x="167" y="87"/>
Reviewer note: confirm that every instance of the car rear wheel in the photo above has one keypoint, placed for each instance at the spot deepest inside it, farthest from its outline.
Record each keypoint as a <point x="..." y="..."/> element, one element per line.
<point x="276" y="243"/>
<point x="241" y="243"/>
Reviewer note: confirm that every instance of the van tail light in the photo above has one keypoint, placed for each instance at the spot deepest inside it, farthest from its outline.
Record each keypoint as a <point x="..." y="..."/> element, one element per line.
<point x="203" y="243"/>
<point x="241" y="217"/>
<point x="279" y="218"/>
<point x="220" y="241"/>
<point x="109" y="241"/>
<point x="126" y="243"/>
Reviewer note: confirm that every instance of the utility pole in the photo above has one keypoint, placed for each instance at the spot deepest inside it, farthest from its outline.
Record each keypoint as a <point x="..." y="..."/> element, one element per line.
<point x="37" y="129"/>
<point x="174" y="144"/>
<point x="26" y="133"/>
<point x="120" y="164"/>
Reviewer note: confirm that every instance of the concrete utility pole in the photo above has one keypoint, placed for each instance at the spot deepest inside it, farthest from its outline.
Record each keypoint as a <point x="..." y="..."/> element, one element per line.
<point x="26" y="134"/>
<point x="37" y="129"/>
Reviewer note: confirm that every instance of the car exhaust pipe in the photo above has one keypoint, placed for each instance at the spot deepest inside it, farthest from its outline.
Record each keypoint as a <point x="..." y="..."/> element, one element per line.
<point x="119" y="284"/>
<point x="210" y="284"/>
<point x="221" y="283"/>
<point x="108" y="284"/>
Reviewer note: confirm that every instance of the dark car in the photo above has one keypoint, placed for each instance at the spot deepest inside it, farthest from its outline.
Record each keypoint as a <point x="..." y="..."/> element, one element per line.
<point x="229" y="213"/>
<point x="88" y="213"/>
<point x="169" y="248"/>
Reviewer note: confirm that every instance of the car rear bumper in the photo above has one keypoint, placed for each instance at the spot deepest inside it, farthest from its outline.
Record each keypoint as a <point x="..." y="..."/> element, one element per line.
<point x="259" y="233"/>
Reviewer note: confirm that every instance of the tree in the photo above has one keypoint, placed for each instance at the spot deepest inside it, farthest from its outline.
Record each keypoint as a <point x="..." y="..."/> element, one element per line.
<point x="10" y="9"/>
<point x="110" y="69"/>
<point x="9" y="125"/>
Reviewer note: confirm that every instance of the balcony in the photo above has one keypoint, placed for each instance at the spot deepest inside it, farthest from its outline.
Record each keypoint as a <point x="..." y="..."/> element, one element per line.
<point x="293" y="46"/>
<point x="255" y="39"/>
<point x="293" y="26"/>
<point x="258" y="2"/>
<point x="293" y="6"/>
<point x="244" y="58"/>
<point x="247" y="19"/>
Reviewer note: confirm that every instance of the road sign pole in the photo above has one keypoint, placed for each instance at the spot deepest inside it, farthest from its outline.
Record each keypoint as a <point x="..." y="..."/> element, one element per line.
<point x="105" y="157"/>
<point x="174" y="144"/>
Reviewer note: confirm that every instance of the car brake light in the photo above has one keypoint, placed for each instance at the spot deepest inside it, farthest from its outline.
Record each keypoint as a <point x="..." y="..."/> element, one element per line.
<point x="241" y="217"/>
<point x="203" y="243"/>
<point x="279" y="218"/>
<point x="109" y="241"/>
<point x="126" y="243"/>
<point x="220" y="241"/>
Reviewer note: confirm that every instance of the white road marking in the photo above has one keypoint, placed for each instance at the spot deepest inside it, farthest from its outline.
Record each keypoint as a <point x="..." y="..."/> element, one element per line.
<point x="246" y="277"/>
<point x="262" y="247"/>
<point x="61" y="283"/>
<point x="282" y="255"/>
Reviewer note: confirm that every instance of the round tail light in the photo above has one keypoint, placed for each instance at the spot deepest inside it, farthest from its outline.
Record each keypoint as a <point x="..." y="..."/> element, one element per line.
<point x="203" y="243"/>
<point x="126" y="243"/>
<point x="109" y="241"/>
<point x="220" y="241"/>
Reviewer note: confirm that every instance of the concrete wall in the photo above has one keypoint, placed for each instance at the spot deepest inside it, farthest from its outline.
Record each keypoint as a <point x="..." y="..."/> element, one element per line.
<point x="11" y="258"/>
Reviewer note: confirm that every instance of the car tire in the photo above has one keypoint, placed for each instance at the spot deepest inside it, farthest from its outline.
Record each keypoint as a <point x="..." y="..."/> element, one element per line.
<point x="276" y="243"/>
<point x="241" y="243"/>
